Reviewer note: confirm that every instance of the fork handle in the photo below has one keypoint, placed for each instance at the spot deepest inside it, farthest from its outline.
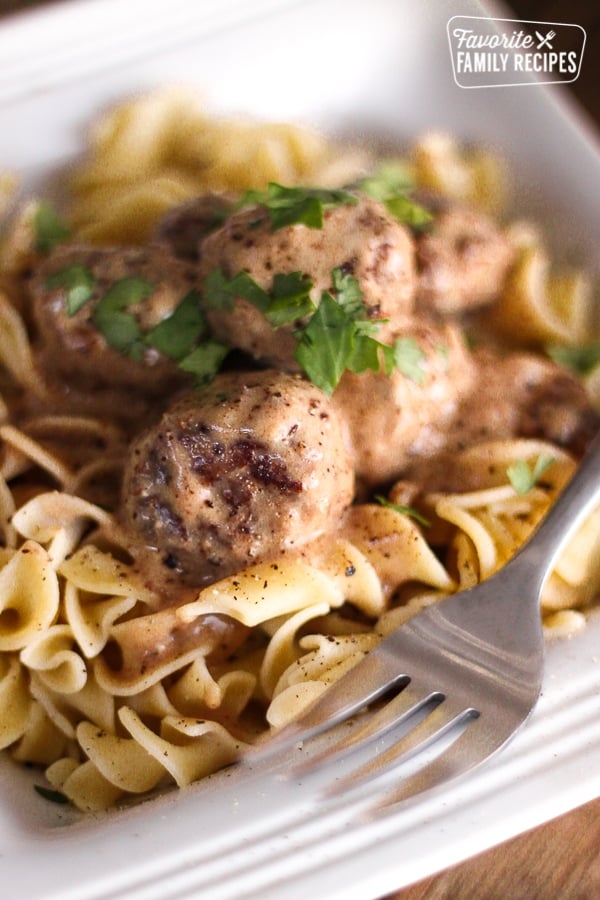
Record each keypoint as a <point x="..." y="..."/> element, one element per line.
<point x="577" y="500"/>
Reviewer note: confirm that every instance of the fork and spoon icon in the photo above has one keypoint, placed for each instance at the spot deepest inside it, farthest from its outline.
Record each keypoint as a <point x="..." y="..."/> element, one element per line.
<point x="544" y="41"/>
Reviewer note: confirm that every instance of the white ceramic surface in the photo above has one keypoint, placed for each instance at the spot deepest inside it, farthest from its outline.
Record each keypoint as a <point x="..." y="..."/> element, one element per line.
<point x="378" y="69"/>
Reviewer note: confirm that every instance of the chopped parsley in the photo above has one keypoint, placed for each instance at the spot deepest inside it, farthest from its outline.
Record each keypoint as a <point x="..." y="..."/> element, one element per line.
<point x="121" y="329"/>
<point x="407" y="356"/>
<point x="524" y="477"/>
<point x="390" y="184"/>
<point x="49" y="794"/>
<point x="327" y="344"/>
<point x="334" y="336"/>
<point x="390" y="179"/>
<point x="220" y="291"/>
<point x="404" y="510"/>
<point x="287" y="301"/>
<point x="296" y="205"/>
<point x="579" y="359"/>
<point x="50" y="230"/>
<point x="177" y="334"/>
<point x="205" y="360"/>
<point x="78" y="284"/>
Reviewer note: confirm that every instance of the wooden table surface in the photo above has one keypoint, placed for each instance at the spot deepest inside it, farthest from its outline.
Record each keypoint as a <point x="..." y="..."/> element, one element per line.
<point x="561" y="859"/>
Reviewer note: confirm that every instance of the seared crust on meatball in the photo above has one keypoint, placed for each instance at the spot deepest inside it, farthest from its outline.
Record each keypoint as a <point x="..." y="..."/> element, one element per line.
<point x="518" y="395"/>
<point x="184" y="228"/>
<point x="463" y="262"/>
<point x="236" y="473"/>
<point x="71" y="345"/>
<point x="362" y="240"/>
<point x="553" y="403"/>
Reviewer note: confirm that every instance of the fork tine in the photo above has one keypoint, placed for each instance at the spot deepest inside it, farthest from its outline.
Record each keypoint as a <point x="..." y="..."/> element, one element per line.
<point x="392" y="716"/>
<point x="340" y="701"/>
<point x="466" y="753"/>
<point x="441" y="721"/>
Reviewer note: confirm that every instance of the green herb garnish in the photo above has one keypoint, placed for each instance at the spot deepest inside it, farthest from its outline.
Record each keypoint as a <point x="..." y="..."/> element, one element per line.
<point x="296" y="205"/>
<point x="327" y="344"/>
<point x="220" y="291"/>
<point x="205" y="360"/>
<point x="524" y="477"/>
<point x="287" y="301"/>
<point x="391" y="184"/>
<point x="78" y="283"/>
<point x="177" y="334"/>
<point x="407" y="356"/>
<point x="120" y="329"/>
<point x="407" y="212"/>
<point x="404" y="510"/>
<point x="579" y="359"/>
<point x="50" y="230"/>
<point x="390" y="179"/>
<point x="49" y="794"/>
<point x="337" y="336"/>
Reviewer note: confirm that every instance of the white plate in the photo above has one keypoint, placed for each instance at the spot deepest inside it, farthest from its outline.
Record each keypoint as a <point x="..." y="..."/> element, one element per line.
<point x="378" y="68"/>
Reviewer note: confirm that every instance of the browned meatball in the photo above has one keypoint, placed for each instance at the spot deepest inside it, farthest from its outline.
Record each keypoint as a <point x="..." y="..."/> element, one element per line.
<point x="390" y="418"/>
<point x="553" y="404"/>
<point x="361" y="240"/>
<point x="463" y="261"/>
<point x="236" y="473"/>
<point x="72" y="344"/>
<point x="512" y="396"/>
<point x="185" y="227"/>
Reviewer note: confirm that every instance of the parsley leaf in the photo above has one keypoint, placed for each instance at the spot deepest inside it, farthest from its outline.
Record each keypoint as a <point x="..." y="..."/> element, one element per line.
<point x="339" y="336"/>
<point x="390" y="179"/>
<point x="348" y="293"/>
<point x="407" y="212"/>
<point x="289" y="299"/>
<point x="176" y="335"/>
<point x="50" y="230"/>
<point x="49" y="794"/>
<point x="296" y="205"/>
<point x="390" y="184"/>
<point x="326" y="344"/>
<point x="404" y="510"/>
<point x="205" y="360"/>
<point x="579" y="359"/>
<point x="523" y="478"/>
<point x="407" y="356"/>
<point x="78" y="283"/>
<point x="121" y="329"/>
<point x="220" y="291"/>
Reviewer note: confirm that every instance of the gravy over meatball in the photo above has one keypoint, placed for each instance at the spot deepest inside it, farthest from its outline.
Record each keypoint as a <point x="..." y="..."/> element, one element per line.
<point x="73" y="346"/>
<point x="362" y="240"/>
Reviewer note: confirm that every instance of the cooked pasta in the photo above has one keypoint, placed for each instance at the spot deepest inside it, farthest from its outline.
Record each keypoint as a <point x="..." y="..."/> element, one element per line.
<point x="144" y="645"/>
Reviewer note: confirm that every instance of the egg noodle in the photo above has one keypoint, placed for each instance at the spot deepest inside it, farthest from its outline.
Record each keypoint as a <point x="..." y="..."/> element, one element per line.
<point x="91" y="688"/>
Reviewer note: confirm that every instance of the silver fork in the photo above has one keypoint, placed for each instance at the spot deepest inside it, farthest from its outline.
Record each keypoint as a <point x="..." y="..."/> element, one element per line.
<point x="466" y="672"/>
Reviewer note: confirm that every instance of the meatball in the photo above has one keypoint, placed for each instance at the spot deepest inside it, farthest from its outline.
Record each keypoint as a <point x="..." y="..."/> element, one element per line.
<point x="361" y="240"/>
<point x="236" y="473"/>
<point x="463" y="262"/>
<point x="512" y="396"/>
<point x="185" y="227"/>
<point x="72" y="345"/>
<point x="553" y="403"/>
<point x="390" y="418"/>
